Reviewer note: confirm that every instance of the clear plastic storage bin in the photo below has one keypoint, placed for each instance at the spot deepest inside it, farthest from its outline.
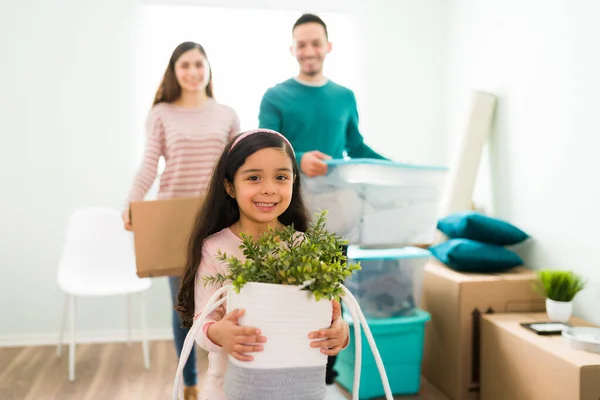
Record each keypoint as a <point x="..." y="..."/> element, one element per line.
<point x="390" y="282"/>
<point x="378" y="202"/>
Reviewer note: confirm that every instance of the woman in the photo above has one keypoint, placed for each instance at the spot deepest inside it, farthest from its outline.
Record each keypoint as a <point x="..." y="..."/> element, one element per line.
<point x="189" y="129"/>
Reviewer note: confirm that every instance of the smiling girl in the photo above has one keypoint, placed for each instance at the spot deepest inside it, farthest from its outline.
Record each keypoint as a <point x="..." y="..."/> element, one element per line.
<point x="256" y="186"/>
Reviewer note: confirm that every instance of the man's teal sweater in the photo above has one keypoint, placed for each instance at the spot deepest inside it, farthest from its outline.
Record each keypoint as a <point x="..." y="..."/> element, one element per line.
<point x="323" y="118"/>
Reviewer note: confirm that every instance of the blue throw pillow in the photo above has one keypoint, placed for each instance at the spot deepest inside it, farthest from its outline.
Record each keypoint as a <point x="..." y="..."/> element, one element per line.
<point x="476" y="226"/>
<point x="472" y="256"/>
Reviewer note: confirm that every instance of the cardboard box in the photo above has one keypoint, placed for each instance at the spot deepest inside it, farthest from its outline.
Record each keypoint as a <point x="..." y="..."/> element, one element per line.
<point x="456" y="302"/>
<point x="518" y="364"/>
<point x="161" y="231"/>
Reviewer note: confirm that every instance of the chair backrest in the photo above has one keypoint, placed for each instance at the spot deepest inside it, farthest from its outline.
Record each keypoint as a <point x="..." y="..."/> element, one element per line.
<point x="96" y="241"/>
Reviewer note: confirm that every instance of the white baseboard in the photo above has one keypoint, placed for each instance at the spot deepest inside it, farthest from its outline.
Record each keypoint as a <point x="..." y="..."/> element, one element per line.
<point x="107" y="336"/>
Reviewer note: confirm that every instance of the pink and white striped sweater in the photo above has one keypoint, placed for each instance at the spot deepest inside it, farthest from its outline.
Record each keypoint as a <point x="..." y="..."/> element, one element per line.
<point x="190" y="140"/>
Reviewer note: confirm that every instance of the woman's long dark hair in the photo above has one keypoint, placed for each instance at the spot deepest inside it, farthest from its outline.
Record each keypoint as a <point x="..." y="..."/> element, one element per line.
<point x="220" y="211"/>
<point x="169" y="89"/>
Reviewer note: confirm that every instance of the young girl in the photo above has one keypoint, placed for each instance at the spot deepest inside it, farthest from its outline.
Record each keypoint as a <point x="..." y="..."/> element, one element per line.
<point x="189" y="129"/>
<point x="255" y="186"/>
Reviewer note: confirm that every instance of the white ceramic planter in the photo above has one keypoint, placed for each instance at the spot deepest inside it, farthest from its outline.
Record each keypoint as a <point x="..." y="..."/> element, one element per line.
<point x="559" y="311"/>
<point x="285" y="316"/>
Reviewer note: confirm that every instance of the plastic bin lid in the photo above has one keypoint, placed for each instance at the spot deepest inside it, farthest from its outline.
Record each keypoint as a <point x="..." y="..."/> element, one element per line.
<point x="419" y="316"/>
<point x="358" y="253"/>
<point x="385" y="163"/>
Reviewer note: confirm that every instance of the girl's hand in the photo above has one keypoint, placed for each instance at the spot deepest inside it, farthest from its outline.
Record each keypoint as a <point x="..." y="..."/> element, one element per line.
<point x="337" y="310"/>
<point x="236" y="340"/>
<point x="332" y="340"/>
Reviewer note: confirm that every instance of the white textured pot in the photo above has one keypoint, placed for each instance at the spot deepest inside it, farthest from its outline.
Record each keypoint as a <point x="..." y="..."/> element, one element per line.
<point x="285" y="316"/>
<point x="559" y="311"/>
<point x="290" y="312"/>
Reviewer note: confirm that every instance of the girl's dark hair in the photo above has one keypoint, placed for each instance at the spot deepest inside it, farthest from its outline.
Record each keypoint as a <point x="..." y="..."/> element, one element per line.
<point x="169" y="89"/>
<point x="219" y="210"/>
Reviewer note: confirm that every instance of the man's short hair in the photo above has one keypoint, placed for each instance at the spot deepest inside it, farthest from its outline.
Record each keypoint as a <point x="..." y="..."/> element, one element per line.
<point x="308" y="18"/>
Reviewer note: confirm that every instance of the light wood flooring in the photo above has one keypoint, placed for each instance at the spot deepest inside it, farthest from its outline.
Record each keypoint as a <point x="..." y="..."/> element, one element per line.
<point x="112" y="371"/>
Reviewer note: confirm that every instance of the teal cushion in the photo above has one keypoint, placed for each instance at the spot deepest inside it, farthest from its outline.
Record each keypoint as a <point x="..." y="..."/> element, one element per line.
<point x="476" y="226"/>
<point x="472" y="256"/>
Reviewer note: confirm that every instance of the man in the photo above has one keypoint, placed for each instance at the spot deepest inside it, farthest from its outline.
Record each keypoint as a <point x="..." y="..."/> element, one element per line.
<point x="318" y="116"/>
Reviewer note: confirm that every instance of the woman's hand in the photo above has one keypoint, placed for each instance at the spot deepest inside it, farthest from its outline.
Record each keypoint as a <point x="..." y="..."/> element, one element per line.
<point x="126" y="220"/>
<point x="234" y="339"/>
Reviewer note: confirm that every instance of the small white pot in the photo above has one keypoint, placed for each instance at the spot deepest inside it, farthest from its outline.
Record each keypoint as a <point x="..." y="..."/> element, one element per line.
<point x="285" y="315"/>
<point x="559" y="311"/>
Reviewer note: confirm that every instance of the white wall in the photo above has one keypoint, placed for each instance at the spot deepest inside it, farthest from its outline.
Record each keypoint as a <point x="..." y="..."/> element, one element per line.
<point x="69" y="134"/>
<point x="66" y="123"/>
<point x="402" y="109"/>
<point x="542" y="60"/>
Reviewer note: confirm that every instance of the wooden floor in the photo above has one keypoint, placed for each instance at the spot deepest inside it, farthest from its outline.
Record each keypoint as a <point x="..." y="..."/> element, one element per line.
<point x="107" y="372"/>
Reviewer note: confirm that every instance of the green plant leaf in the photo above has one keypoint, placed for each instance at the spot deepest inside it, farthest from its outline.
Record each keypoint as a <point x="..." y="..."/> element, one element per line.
<point x="285" y="256"/>
<point x="559" y="285"/>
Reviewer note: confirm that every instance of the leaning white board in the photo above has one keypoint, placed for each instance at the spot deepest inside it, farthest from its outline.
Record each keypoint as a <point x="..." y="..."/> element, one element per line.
<point x="462" y="176"/>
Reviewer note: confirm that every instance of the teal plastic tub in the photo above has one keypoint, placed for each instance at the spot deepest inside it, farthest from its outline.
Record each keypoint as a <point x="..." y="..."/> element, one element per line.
<point x="400" y="344"/>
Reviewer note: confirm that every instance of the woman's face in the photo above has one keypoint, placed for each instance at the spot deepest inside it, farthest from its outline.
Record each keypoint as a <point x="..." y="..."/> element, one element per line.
<point x="192" y="71"/>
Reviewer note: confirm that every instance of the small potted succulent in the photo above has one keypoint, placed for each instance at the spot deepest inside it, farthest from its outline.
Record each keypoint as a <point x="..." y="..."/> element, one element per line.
<point x="560" y="288"/>
<point x="285" y="286"/>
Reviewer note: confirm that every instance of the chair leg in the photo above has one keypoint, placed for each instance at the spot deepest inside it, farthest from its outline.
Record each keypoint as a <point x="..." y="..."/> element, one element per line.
<point x="129" y="318"/>
<point x="61" y="335"/>
<point x="144" y="326"/>
<point x="72" y="341"/>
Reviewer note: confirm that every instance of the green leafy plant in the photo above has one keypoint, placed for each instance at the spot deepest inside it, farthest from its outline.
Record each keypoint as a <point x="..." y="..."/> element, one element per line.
<point x="559" y="285"/>
<point x="286" y="257"/>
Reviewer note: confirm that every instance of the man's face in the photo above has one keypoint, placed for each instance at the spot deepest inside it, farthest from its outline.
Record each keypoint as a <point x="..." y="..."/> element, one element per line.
<point x="310" y="47"/>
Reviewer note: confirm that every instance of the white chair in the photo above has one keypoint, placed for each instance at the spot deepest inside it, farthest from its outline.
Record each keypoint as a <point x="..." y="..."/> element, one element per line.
<point x="98" y="259"/>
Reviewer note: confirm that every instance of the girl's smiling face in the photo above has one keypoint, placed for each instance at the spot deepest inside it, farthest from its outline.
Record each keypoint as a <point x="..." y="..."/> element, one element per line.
<point x="263" y="186"/>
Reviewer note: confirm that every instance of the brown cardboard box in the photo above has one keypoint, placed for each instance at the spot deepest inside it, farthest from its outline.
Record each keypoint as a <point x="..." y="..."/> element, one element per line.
<point x="161" y="230"/>
<point x="518" y="364"/>
<point x="456" y="302"/>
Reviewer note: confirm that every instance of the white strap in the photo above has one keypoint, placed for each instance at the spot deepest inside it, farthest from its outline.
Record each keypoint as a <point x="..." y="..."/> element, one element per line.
<point x="358" y="319"/>
<point x="357" y="346"/>
<point x="190" y="339"/>
<point x="351" y="301"/>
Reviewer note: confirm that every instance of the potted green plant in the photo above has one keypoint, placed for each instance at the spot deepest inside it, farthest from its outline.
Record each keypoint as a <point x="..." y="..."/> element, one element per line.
<point x="560" y="288"/>
<point x="285" y="285"/>
<point x="286" y="257"/>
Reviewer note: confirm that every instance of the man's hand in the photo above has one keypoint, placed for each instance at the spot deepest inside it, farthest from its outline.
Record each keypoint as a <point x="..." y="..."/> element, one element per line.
<point x="312" y="163"/>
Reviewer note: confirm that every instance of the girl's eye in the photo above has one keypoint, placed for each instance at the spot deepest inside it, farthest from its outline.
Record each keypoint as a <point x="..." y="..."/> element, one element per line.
<point x="282" y="177"/>
<point x="253" y="178"/>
